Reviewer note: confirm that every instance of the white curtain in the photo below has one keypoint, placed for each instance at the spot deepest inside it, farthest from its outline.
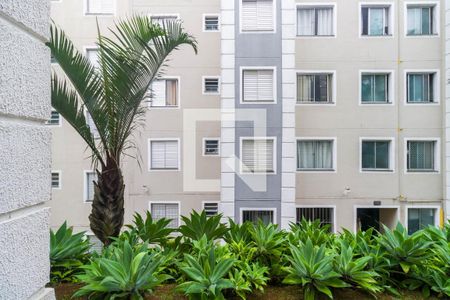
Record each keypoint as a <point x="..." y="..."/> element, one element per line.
<point x="414" y="20"/>
<point x="306" y="21"/>
<point x="325" y="21"/>
<point x="315" y="154"/>
<point x="305" y="88"/>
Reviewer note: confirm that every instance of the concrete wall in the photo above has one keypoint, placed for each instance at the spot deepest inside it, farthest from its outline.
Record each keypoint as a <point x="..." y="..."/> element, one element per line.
<point x="25" y="149"/>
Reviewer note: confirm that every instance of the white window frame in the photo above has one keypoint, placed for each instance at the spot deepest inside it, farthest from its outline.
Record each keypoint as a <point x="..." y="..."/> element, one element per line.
<point x="149" y="104"/>
<point x="274" y="156"/>
<point x="95" y="134"/>
<point x="334" y="228"/>
<point x="204" y="22"/>
<point x="204" y="147"/>
<point x="89" y="48"/>
<point x="85" y="183"/>
<point x="355" y="212"/>
<point x="259" y="31"/>
<point x="204" y="85"/>
<point x="333" y="86"/>
<point x="315" y="138"/>
<point x="215" y="202"/>
<point x="59" y="121"/>
<point x="391" y="86"/>
<point x="178" y="140"/>
<point x="391" y="19"/>
<point x="86" y="13"/>
<point x="59" y="180"/>
<point x="167" y="202"/>
<point x="392" y="162"/>
<point x="437" y="209"/>
<point x="437" y="154"/>
<point x="241" y="85"/>
<point x="273" y="209"/>
<point x="437" y="17"/>
<point x="436" y="87"/>
<point x="317" y="5"/>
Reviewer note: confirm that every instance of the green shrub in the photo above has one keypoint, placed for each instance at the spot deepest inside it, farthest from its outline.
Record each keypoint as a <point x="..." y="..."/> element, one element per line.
<point x="317" y="233"/>
<point x="122" y="272"/>
<point x="68" y="252"/>
<point x="150" y="231"/>
<point x="206" y="273"/>
<point x="312" y="268"/>
<point x="198" y="225"/>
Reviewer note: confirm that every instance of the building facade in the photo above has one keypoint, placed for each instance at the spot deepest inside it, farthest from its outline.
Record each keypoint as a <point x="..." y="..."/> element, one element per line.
<point x="330" y="110"/>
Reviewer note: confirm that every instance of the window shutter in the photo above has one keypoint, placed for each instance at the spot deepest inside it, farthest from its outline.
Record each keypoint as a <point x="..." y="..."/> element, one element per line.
<point x="257" y="15"/>
<point x="90" y="177"/>
<point x="94" y="6"/>
<point x="248" y="158"/>
<point x="258" y="85"/>
<point x="92" y="56"/>
<point x="92" y="127"/>
<point x="257" y="156"/>
<point x="168" y="211"/>
<point x="107" y="6"/>
<point x="158" y="93"/>
<point x="172" y="155"/>
<point x="211" y="209"/>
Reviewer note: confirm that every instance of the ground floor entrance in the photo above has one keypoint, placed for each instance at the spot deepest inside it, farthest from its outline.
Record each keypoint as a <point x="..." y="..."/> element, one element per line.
<point x="375" y="217"/>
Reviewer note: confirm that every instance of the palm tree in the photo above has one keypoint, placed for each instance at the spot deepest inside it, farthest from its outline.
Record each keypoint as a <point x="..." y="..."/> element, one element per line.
<point x="112" y="94"/>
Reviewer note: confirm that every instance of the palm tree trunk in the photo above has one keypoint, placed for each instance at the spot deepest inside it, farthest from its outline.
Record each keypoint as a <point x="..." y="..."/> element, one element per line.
<point x="107" y="214"/>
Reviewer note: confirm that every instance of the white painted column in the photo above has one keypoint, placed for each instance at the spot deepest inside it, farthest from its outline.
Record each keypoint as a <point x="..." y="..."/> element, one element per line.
<point x="288" y="13"/>
<point x="447" y="111"/>
<point x="227" y="152"/>
<point x="25" y="145"/>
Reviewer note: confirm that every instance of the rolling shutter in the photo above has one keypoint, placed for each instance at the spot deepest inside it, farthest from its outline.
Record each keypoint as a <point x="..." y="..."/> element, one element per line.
<point x="158" y="93"/>
<point x="164" y="155"/>
<point x="257" y="15"/>
<point x="258" y="86"/>
<point x="257" y="156"/>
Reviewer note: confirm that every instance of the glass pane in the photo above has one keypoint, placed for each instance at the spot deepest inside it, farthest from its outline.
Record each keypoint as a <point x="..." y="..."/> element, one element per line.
<point x="365" y="20"/>
<point x="382" y="155"/>
<point x="321" y="88"/>
<point x="376" y="21"/>
<point x="315" y="155"/>
<point x="426" y="217"/>
<point x="367" y="88"/>
<point x="414" y="21"/>
<point x="381" y="88"/>
<point x="368" y="155"/>
<point x="413" y="220"/>
<point x="416" y="88"/>
<point x="426" y="24"/>
<point x="305" y="88"/>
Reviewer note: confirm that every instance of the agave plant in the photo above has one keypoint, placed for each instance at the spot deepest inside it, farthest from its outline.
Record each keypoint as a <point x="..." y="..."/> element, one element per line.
<point x="238" y="232"/>
<point x="315" y="231"/>
<point x="111" y="94"/>
<point x="241" y="286"/>
<point x="207" y="275"/>
<point x="123" y="272"/>
<point x="353" y="270"/>
<point x="403" y="249"/>
<point x="68" y="252"/>
<point x="268" y="241"/>
<point x="199" y="225"/>
<point x="150" y="231"/>
<point x="312" y="268"/>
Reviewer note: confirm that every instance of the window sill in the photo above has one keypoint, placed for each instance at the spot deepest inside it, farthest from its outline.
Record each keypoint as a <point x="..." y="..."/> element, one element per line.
<point x="163" y="107"/>
<point x="377" y="171"/>
<point x="316" y="170"/>
<point x="375" y="103"/>
<point x="422" y="35"/>
<point x="315" y="103"/>
<point x="315" y="36"/>
<point x="377" y="36"/>
<point x="422" y="103"/>
<point x="422" y="171"/>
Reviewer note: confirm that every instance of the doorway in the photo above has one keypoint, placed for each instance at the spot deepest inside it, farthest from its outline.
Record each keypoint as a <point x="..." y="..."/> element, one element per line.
<point x="374" y="217"/>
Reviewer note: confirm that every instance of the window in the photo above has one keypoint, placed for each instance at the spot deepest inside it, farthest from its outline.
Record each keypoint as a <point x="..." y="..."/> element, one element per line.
<point x="166" y="210"/>
<point x="315" y="88"/>
<point x="375" y="88"/>
<point x="211" y="23"/>
<point x="254" y="216"/>
<point x="92" y="56"/>
<point x="55" y="118"/>
<point x="99" y="7"/>
<point x="375" y="20"/>
<point x="53" y="59"/>
<point x="315" y="155"/>
<point x="257" y="156"/>
<point x="97" y="245"/>
<point x="421" y="20"/>
<point x="421" y="156"/>
<point x="257" y="15"/>
<point x="92" y="127"/>
<point x="162" y="19"/>
<point x="421" y="87"/>
<point x="211" y="147"/>
<point x="164" y="93"/>
<point x="315" y="21"/>
<point x="211" y="208"/>
<point x="258" y="86"/>
<point x="376" y="155"/>
<point x="56" y="180"/>
<point x="324" y="214"/>
<point x="211" y="85"/>
<point x="89" y="189"/>
<point x="419" y="218"/>
<point x="164" y="155"/>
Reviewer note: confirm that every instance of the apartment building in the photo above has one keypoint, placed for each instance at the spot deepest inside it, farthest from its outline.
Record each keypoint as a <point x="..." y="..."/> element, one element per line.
<point x="330" y="110"/>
